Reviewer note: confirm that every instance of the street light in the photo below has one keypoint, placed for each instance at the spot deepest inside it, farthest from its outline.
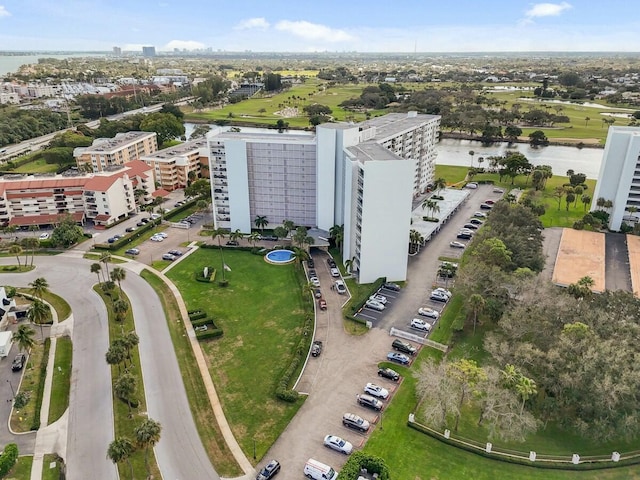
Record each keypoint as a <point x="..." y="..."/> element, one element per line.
<point x="13" y="393"/>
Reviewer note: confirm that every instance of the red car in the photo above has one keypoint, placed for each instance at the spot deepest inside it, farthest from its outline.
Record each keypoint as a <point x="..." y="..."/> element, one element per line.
<point x="489" y="202"/>
<point x="322" y="303"/>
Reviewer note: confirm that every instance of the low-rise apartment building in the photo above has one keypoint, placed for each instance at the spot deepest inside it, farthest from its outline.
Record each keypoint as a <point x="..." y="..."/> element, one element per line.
<point x="174" y="167"/>
<point x="109" y="152"/>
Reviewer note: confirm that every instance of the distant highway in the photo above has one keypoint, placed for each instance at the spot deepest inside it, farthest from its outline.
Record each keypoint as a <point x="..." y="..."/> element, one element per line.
<point x="33" y="144"/>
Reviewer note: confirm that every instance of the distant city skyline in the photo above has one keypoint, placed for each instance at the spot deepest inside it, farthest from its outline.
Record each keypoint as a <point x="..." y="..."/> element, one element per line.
<point x="331" y="25"/>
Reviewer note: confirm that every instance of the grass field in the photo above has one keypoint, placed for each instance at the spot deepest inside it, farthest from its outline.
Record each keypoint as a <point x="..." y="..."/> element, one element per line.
<point x="60" y="305"/>
<point x="206" y="423"/>
<point x="22" y="469"/>
<point x="34" y="372"/>
<point x="37" y="166"/>
<point x="261" y="312"/>
<point x="61" y="384"/>
<point x="49" y="473"/>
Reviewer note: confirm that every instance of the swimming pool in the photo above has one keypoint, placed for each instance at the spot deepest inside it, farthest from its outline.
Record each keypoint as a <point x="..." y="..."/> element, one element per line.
<point x="280" y="257"/>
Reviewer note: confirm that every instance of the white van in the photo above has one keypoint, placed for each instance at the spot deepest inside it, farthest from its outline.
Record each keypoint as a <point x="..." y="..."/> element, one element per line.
<point x="319" y="471"/>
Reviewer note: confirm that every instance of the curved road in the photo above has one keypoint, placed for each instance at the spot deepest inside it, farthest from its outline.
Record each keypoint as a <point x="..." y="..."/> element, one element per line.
<point x="180" y="452"/>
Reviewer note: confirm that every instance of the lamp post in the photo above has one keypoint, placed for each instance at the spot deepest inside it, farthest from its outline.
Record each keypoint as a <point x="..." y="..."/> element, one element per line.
<point x="13" y="393"/>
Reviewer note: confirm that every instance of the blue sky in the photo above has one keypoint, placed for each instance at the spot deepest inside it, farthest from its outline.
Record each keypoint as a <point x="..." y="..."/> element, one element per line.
<point x="329" y="25"/>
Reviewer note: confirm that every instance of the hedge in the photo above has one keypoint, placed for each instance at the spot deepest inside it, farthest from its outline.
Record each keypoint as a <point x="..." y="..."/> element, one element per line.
<point x="40" y="388"/>
<point x="210" y="333"/>
<point x="197" y="315"/>
<point x="201" y="278"/>
<point x="360" y="460"/>
<point x="358" y="303"/>
<point x="204" y="321"/>
<point x="8" y="458"/>
<point x="127" y="238"/>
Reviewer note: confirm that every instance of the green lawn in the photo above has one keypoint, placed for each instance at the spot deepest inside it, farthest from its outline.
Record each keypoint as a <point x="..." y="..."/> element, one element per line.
<point x="123" y="425"/>
<point x="206" y="423"/>
<point x="22" y="469"/>
<point x="261" y="312"/>
<point x="61" y="385"/>
<point x="34" y="373"/>
<point x="60" y="305"/>
<point x="37" y="166"/>
<point x="49" y="473"/>
<point x="15" y="268"/>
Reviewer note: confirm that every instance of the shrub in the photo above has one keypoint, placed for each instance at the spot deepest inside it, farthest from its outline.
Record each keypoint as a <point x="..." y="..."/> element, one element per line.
<point x="8" y="458"/>
<point x="204" y="321"/>
<point x="134" y="402"/>
<point x="357" y="303"/>
<point x="21" y="399"/>
<point x="361" y="460"/>
<point x="197" y="316"/>
<point x="210" y="333"/>
<point x="40" y="387"/>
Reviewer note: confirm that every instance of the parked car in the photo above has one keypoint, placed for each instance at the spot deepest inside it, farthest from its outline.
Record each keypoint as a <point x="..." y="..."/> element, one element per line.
<point x="162" y="234"/>
<point x="444" y="291"/>
<point x="403" y="347"/>
<point x="269" y="471"/>
<point x="168" y="256"/>
<point x="317" y="293"/>
<point x="316" y="348"/>
<point x="480" y="215"/>
<point x="175" y="253"/>
<point x="438" y="296"/>
<point x="351" y="420"/>
<point x="112" y="240"/>
<point x="476" y="221"/>
<point x="485" y="206"/>
<point x="156" y="238"/>
<point x="233" y="243"/>
<point x="315" y="281"/>
<point x="472" y="185"/>
<point x="331" y="262"/>
<point x="154" y="216"/>
<point x="311" y="263"/>
<point x="489" y="202"/>
<point x="18" y="362"/>
<point x="470" y="226"/>
<point x="140" y="223"/>
<point x="379" y="298"/>
<point x="392" y="286"/>
<point x="132" y="251"/>
<point x="374" y="304"/>
<point x="498" y="190"/>
<point x="428" y="312"/>
<point x="312" y="273"/>
<point x="464" y="236"/>
<point x="334" y="272"/>
<point x="376" y="390"/>
<point x="457" y="245"/>
<point x="338" y="444"/>
<point x="340" y="287"/>
<point x="420" y="325"/>
<point x="270" y="238"/>
<point x="389" y="373"/>
<point x="400" y="358"/>
<point x="131" y="229"/>
<point x="370" y="402"/>
<point x="322" y="303"/>
<point x="44" y="236"/>
<point x="144" y="220"/>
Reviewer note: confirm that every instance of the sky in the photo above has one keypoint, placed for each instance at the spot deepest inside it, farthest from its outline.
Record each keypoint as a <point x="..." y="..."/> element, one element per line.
<point x="321" y="25"/>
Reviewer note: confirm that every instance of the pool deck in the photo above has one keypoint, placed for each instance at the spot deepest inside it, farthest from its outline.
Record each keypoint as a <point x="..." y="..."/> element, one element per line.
<point x="291" y="258"/>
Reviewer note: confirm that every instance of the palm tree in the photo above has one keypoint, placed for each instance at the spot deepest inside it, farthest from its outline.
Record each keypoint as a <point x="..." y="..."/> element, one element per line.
<point x="121" y="450"/>
<point x="472" y="153"/>
<point x="115" y="355"/>
<point x="236" y="235"/>
<point x="526" y="387"/>
<point x="414" y="238"/>
<point x="348" y="264"/>
<point x="120" y="308"/>
<point x="97" y="269"/>
<point x="300" y="255"/>
<point x="125" y="387"/>
<point x="30" y="243"/>
<point x="261" y="222"/>
<point x="428" y="205"/>
<point x="147" y="435"/>
<point x="510" y="376"/>
<point x="38" y="313"/>
<point x="586" y="200"/>
<point x="16" y="250"/>
<point x="289" y="226"/>
<point x="130" y="341"/>
<point x="439" y="184"/>
<point x="586" y="121"/>
<point x="39" y="287"/>
<point x="476" y="304"/>
<point x="117" y="275"/>
<point x="105" y="258"/>
<point x="219" y="233"/>
<point x="308" y="288"/>
<point x="24" y="337"/>
<point x="337" y="233"/>
<point x="253" y="238"/>
<point x="202" y="205"/>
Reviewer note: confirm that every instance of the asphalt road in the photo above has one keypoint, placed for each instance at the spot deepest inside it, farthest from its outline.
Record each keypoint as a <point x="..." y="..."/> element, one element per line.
<point x="617" y="274"/>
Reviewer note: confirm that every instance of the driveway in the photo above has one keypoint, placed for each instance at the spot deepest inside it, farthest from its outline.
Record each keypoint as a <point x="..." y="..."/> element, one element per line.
<point x="347" y="362"/>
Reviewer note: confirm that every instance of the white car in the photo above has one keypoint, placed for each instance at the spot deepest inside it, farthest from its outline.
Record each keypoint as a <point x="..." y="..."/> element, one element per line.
<point x="457" y="245"/>
<point x="162" y="234"/>
<point x="379" y="298"/>
<point x="472" y="185"/>
<point x="44" y="236"/>
<point x="315" y="281"/>
<point x="374" y="305"/>
<point x="444" y="291"/>
<point x="155" y="215"/>
<point x="340" y="287"/>
<point x="498" y="190"/>
<point x="420" y="325"/>
<point x="428" y="312"/>
<point x="376" y="390"/>
<point x="338" y="444"/>
<point x="438" y="297"/>
<point x="155" y="238"/>
<point x="479" y="214"/>
<point x="335" y="272"/>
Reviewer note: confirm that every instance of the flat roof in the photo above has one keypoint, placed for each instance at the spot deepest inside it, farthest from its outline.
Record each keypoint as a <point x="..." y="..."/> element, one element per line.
<point x="394" y="123"/>
<point x="581" y="254"/>
<point x="116" y="143"/>
<point x="633" y="247"/>
<point x="452" y="200"/>
<point x="372" y="151"/>
<point x="178" y="150"/>
<point x="270" y="137"/>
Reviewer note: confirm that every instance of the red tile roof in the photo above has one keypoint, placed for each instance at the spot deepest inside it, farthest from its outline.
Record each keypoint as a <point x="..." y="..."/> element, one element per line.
<point x="42" y="183"/>
<point x="44" y="219"/>
<point x="161" y="192"/>
<point x="103" y="217"/>
<point x="100" y="183"/>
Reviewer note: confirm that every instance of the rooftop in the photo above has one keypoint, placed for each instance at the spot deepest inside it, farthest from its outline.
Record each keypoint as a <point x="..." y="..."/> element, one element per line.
<point x="372" y="151"/>
<point x="265" y="137"/>
<point x="395" y="123"/>
<point x="179" y="150"/>
<point x="121" y="140"/>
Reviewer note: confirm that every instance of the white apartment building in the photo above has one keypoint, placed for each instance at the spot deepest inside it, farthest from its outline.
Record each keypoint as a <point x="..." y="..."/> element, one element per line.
<point x="107" y="152"/>
<point x="363" y="176"/>
<point x="619" y="177"/>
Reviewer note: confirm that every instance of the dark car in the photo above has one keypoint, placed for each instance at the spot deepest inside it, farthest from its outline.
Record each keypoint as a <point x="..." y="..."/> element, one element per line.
<point x="175" y="253"/>
<point x="331" y="262"/>
<point x="370" y="402"/>
<point x="112" y="240"/>
<point x="464" y="236"/>
<point x="269" y="471"/>
<point x="316" y="348"/>
<point x="132" y="251"/>
<point x="317" y="293"/>
<point x="392" y="286"/>
<point x="18" y="362"/>
<point x="389" y="373"/>
<point x="356" y="422"/>
<point x="485" y="206"/>
<point x="131" y="229"/>
<point x="403" y="347"/>
<point x="470" y="226"/>
<point x="144" y="220"/>
<point x="140" y="223"/>
<point x="310" y="263"/>
<point x="312" y="273"/>
<point x="232" y="243"/>
<point x="476" y="221"/>
<point x="271" y="238"/>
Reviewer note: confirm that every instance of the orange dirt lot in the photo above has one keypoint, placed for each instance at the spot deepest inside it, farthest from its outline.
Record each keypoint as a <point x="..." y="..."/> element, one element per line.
<point x="633" y="246"/>
<point x="581" y="254"/>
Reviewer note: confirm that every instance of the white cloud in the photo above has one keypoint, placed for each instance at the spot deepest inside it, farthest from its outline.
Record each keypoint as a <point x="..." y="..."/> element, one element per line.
<point x="547" y="9"/>
<point x="182" y="44"/>
<point x="313" y="31"/>
<point x="4" y="12"/>
<point x="257" y="22"/>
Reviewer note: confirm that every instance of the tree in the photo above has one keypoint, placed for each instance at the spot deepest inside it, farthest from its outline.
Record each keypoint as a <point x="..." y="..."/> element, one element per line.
<point x="261" y="222"/>
<point x="105" y="258"/>
<point x="236" y="235"/>
<point x="466" y="374"/>
<point x="471" y="153"/>
<point x="558" y="193"/>
<point x="16" y="250"/>
<point x="254" y="237"/>
<point x="120" y="308"/>
<point x="220" y="233"/>
<point x="337" y="233"/>
<point x="97" y="269"/>
<point x="526" y="387"/>
<point x="538" y="138"/>
<point x="202" y="205"/>
<point x="514" y="164"/>
<point x="130" y="340"/>
<point x="586" y="200"/>
<point x="30" y="243"/>
<point x="475" y="304"/>
<point x="586" y="121"/>
<point x="439" y="184"/>
<point x="173" y="110"/>
<point x="511" y="132"/>
<point x="165" y="125"/>
<point x="289" y="225"/>
<point x="569" y="199"/>
<point x="115" y="355"/>
<point x="317" y="110"/>
<point x="147" y="435"/>
<point x="436" y="392"/>
<point x="299" y="236"/>
<point x="23" y="336"/>
<point x="67" y="233"/>
<point x="199" y="188"/>
<point x="39" y="287"/>
<point x="117" y="275"/>
<point x="120" y="450"/>
<point x="279" y="232"/>
<point x="493" y="251"/>
<point x="39" y="313"/>
<point x="125" y="388"/>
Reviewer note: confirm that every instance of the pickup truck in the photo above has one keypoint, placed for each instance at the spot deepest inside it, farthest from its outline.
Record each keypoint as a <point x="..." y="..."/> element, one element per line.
<point x="316" y="348"/>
